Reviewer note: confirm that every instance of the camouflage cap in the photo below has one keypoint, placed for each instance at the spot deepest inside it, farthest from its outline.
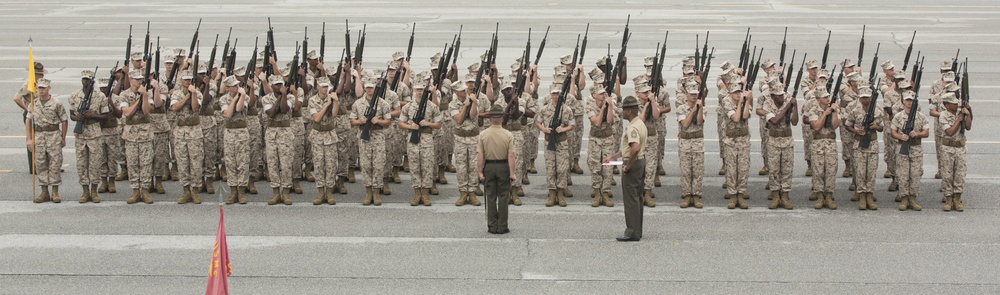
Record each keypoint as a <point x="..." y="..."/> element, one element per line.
<point x="312" y="55"/>
<point x="369" y="82"/>
<point x="948" y="77"/>
<point x="853" y="77"/>
<point x="496" y="111"/>
<point x="507" y="84"/>
<point x="179" y="51"/>
<point x="560" y="70"/>
<point x="595" y="90"/>
<point x="392" y="65"/>
<point x="865" y="92"/>
<point x="812" y="64"/>
<point x="644" y="87"/>
<point x="555" y="88"/>
<point x="823" y="73"/>
<point x="136" y="56"/>
<point x="630" y="102"/>
<point x="648" y="61"/>
<point x="949" y="97"/>
<point x="436" y="59"/>
<point x="847" y="63"/>
<point x="169" y="59"/>
<point x="240" y="71"/>
<point x="186" y="75"/>
<point x="418" y="84"/>
<point x="691" y="88"/>
<point x="735" y="87"/>
<point x="688" y="61"/>
<point x="726" y="65"/>
<point x="398" y="55"/>
<point x="887" y="65"/>
<point x="103" y="81"/>
<point x="946" y="65"/>
<point x="285" y="71"/>
<point x="596" y="74"/>
<point x="470" y="77"/>
<point x="909" y="95"/>
<point x="821" y="93"/>
<point x="905" y="84"/>
<point x="688" y="69"/>
<point x="135" y="75"/>
<point x="323" y="82"/>
<point x="203" y="68"/>
<point x="458" y="86"/>
<point x="43" y="83"/>
<point x="474" y="67"/>
<point x="602" y="61"/>
<point x="565" y="59"/>
<point x="767" y="63"/>
<point x="230" y="81"/>
<point x="777" y="91"/>
<point x="275" y="80"/>
<point x="515" y="66"/>
<point x="87" y="74"/>
<point x="952" y="87"/>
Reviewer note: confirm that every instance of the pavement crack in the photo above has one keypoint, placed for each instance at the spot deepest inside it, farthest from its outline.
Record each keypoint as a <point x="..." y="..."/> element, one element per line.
<point x="527" y="248"/>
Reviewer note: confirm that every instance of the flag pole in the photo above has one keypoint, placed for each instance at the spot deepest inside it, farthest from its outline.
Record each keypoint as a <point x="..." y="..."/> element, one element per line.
<point x="32" y="90"/>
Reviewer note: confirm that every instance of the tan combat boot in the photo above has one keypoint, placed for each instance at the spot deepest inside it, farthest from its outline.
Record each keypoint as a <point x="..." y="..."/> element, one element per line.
<point x="948" y="203"/>
<point x="309" y="174"/>
<point x="534" y="170"/>
<point x="416" y="197"/>
<point x="894" y="186"/>
<point x="519" y="191"/>
<point x="731" y="204"/>
<point x="862" y="200"/>
<point x="386" y="190"/>
<point x="685" y="201"/>
<point x="576" y="168"/>
<point x="111" y="185"/>
<point x="606" y="199"/>
<point x="122" y="174"/>
<point x="830" y="203"/>
<point x="195" y="198"/>
<point x="329" y="196"/>
<point x="461" y="198"/>
<point x="870" y="199"/>
<point x="566" y="192"/>
<point x="514" y="199"/>
<point x="223" y="175"/>
<point x="775" y="197"/>
<point x="165" y="174"/>
<point x="813" y="196"/>
<point x="103" y="188"/>
<point x="473" y="201"/>
<point x="434" y="189"/>
<point x="853" y="186"/>
<point x="296" y="187"/>
<point x="241" y="197"/>
<point x="847" y="169"/>
<point x="595" y="193"/>
<point x="763" y="171"/>
<point x="285" y="197"/>
<point x="660" y="171"/>
<point x="904" y="202"/>
<point x="820" y="199"/>
<point x="186" y="196"/>
<point x="158" y="186"/>
<point x="525" y="180"/>
<point x="856" y="196"/>
<point x="173" y="173"/>
<point x="276" y="198"/>
<point x="134" y="197"/>
<point x="376" y="198"/>
<point x="479" y="191"/>
<point x="425" y="198"/>
<point x="552" y="198"/>
<point x="368" y="197"/>
<point x="395" y="175"/>
<point x="613" y="181"/>
<point x="697" y="201"/>
<point x="55" y="194"/>
<point x="85" y="197"/>
<point x="350" y="176"/>
<point x="144" y="194"/>
<point x="957" y="199"/>
<point x="656" y="181"/>
<point x="722" y="171"/>
<point x="94" y="197"/>
<point x="340" y="185"/>
<point x="597" y="198"/>
<point x="560" y="197"/>
<point x="569" y="180"/>
<point x="913" y="203"/>
<point x="450" y="167"/>
<point x="209" y="185"/>
<point x="233" y="195"/>
<point x="441" y="178"/>
<point x="320" y="196"/>
<point x="406" y="164"/>
<point x="809" y="170"/>
<point x="647" y="198"/>
<point x="741" y="203"/>
<point x="785" y="202"/>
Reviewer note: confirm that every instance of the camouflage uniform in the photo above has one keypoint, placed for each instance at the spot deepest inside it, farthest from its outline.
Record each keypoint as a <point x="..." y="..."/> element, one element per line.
<point x="323" y="138"/>
<point x="189" y="140"/>
<point x="160" y="125"/>
<point x="89" y="157"/>
<point x="210" y="140"/>
<point x="279" y="140"/>
<point x="138" y="136"/>
<point x="824" y="154"/>
<point x="909" y="168"/>
<point x="953" y="159"/>
<point x="423" y="163"/>
<point x="48" y="118"/>
<point x="865" y="159"/>
<point x="236" y="141"/>
<point x="556" y="162"/>
<point x="516" y="128"/>
<point x="347" y="143"/>
<point x="780" y="148"/>
<point x="601" y="144"/>
<point x="652" y="145"/>
<point x="737" y="151"/>
<point x="466" y="140"/>
<point x="298" y="140"/>
<point x="691" y="151"/>
<point x="372" y="155"/>
<point x="892" y="100"/>
<point x="444" y="139"/>
<point x="110" y="147"/>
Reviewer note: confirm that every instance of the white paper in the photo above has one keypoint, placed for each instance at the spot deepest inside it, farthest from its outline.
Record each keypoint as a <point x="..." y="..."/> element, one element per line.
<point x="614" y="163"/>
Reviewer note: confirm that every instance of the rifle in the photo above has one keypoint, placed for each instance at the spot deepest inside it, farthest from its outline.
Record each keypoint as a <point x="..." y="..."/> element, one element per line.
<point x="491" y="58"/>
<point x="791" y="67"/>
<point x="743" y="51"/>
<point x="347" y="40"/>
<point x="322" y="43"/>
<point x="294" y="79"/>
<point x="648" y="114"/>
<point x="145" y="48"/>
<point x="232" y="58"/>
<point x="305" y="50"/>
<point x="541" y="47"/>
<point x="861" y="46"/>
<point x="409" y="52"/>
<point x="703" y="87"/>
<point x="225" y="54"/>
<point x="609" y="75"/>
<point x="373" y="108"/>
<point x="270" y="39"/>
<point x="128" y="48"/>
<point x="751" y="75"/>
<point x="836" y="92"/>
<point x="156" y="71"/>
<point x="621" y="58"/>
<point x="916" y="64"/>
<point x="425" y="97"/>
<point x="583" y="50"/>
<point x="965" y="90"/>
<point x="798" y="82"/>
<point x="904" y="147"/>
<point x="909" y="50"/>
<point x="869" y="119"/>
<point x="826" y="49"/>
<point x="476" y="88"/>
<point x="556" y="120"/>
<point x="704" y="52"/>
<point x="340" y="68"/>
<point x="781" y="57"/>
<point x="111" y="81"/>
<point x="657" y="80"/>
<point x="360" y="49"/>
<point x="248" y="75"/>
<point x="85" y="103"/>
<point x="211" y="59"/>
<point x="954" y="62"/>
<point x="871" y="74"/>
<point x="697" y="54"/>
<point x="194" y="40"/>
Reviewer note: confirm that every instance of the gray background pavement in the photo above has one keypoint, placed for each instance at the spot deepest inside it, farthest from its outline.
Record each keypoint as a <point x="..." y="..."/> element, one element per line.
<point x="165" y="248"/>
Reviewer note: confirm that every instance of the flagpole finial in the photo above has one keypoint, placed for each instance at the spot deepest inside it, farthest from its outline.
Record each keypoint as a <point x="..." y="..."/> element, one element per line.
<point x="29" y="41"/>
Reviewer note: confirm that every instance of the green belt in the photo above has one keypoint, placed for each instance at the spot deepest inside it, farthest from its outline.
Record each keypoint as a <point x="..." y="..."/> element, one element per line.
<point x="691" y="135"/>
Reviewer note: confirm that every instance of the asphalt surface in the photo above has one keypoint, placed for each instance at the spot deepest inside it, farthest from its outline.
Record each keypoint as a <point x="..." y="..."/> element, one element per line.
<point x="165" y="248"/>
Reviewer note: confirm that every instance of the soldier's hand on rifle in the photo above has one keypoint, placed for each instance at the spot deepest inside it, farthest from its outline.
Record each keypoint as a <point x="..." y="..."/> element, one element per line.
<point x="792" y="102"/>
<point x="431" y="88"/>
<point x="272" y="60"/>
<point x="142" y="88"/>
<point x="873" y="126"/>
<point x="913" y="134"/>
<point x="242" y="91"/>
<point x="424" y="123"/>
<point x="294" y="91"/>
<point x="192" y="89"/>
<point x="205" y="80"/>
<point x="88" y="114"/>
<point x="699" y="103"/>
<point x="75" y="116"/>
<point x="904" y="137"/>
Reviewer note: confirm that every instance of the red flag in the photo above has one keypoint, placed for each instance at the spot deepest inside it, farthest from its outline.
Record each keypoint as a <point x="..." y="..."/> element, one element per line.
<point x="220" y="269"/>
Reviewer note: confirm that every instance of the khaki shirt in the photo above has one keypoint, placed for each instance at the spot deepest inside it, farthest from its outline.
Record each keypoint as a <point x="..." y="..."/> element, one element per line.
<point x="495" y="143"/>
<point x="634" y="132"/>
<point x="49" y="112"/>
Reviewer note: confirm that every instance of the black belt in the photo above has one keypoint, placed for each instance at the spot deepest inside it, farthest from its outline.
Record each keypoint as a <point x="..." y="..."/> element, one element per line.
<point x="496" y="161"/>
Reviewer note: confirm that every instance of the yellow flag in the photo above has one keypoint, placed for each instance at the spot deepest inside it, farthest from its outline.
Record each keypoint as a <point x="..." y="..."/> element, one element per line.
<point x="31" y="69"/>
